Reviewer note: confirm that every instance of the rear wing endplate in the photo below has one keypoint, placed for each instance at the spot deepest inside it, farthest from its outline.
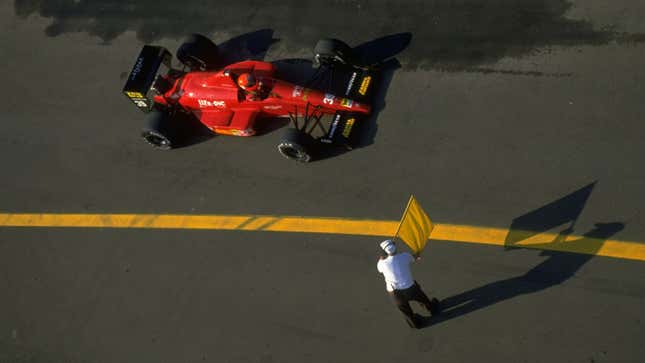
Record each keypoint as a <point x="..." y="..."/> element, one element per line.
<point x="143" y="75"/>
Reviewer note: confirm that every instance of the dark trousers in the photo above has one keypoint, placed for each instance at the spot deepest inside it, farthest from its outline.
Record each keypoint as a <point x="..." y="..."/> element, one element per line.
<point x="402" y="298"/>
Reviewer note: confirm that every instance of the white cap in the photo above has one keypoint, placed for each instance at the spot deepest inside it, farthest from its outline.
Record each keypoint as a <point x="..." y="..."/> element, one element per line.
<point x="388" y="246"/>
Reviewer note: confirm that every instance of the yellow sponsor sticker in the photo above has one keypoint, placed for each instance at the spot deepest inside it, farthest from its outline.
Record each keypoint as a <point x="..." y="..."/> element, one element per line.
<point x="348" y="127"/>
<point x="134" y="94"/>
<point x="346" y="103"/>
<point x="305" y="94"/>
<point x="364" y="84"/>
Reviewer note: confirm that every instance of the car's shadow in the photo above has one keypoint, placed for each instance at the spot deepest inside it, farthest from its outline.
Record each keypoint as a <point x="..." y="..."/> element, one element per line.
<point x="249" y="46"/>
<point x="190" y="131"/>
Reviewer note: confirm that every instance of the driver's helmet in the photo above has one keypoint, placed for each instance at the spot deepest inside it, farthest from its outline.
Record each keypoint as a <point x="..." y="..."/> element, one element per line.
<point x="247" y="82"/>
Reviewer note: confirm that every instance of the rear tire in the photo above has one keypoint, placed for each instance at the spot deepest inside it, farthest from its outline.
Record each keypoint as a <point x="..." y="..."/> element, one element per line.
<point x="159" y="130"/>
<point x="329" y="51"/>
<point x="198" y="53"/>
<point x="296" y="145"/>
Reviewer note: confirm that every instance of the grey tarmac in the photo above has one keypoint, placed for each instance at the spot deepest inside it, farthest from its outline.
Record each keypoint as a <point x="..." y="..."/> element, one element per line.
<point x="496" y="111"/>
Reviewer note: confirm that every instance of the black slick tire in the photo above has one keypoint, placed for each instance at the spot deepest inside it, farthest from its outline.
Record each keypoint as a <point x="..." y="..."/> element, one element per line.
<point x="331" y="50"/>
<point x="159" y="130"/>
<point x="296" y="145"/>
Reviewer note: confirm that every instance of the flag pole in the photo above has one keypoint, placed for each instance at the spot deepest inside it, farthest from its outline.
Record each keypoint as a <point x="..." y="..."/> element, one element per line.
<point x="403" y="216"/>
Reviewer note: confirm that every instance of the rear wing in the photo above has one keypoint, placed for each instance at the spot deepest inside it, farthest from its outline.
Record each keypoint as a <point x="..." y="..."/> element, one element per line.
<point x="144" y="71"/>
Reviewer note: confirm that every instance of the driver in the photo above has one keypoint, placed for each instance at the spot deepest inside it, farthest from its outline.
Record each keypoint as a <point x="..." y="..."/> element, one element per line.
<point x="250" y="85"/>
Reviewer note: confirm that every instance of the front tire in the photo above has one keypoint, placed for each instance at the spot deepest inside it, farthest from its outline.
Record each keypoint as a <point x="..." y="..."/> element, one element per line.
<point x="329" y="51"/>
<point x="159" y="130"/>
<point x="296" y="145"/>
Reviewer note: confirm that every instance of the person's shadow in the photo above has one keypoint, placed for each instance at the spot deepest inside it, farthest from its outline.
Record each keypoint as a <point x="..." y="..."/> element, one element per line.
<point x="557" y="268"/>
<point x="565" y="257"/>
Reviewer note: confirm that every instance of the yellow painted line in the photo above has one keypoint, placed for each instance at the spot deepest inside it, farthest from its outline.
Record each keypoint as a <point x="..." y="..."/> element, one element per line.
<point x="545" y="241"/>
<point x="446" y="232"/>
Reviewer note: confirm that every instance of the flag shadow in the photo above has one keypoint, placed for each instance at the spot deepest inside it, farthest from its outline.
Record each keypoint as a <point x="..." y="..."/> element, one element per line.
<point x="555" y="214"/>
<point x="565" y="256"/>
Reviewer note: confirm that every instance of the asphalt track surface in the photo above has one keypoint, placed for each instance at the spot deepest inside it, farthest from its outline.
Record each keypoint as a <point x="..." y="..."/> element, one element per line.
<point x="500" y="114"/>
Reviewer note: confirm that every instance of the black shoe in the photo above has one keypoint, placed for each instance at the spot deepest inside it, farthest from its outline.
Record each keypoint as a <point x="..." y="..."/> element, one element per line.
<point x="435" y="307"/>
<point x="416" y="321"/>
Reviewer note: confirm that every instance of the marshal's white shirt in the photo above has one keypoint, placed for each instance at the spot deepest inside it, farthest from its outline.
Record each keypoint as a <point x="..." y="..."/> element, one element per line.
<point x="396" y="270"/>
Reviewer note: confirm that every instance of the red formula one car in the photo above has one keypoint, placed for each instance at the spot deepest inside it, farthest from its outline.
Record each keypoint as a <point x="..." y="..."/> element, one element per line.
<point x="234" y="99"/>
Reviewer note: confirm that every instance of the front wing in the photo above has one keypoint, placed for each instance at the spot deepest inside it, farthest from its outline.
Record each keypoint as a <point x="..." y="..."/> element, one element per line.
<point x="355" y="84"/>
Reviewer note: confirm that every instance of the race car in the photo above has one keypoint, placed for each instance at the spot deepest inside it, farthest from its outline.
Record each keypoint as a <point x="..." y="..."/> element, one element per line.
<point x="234" y="99"/>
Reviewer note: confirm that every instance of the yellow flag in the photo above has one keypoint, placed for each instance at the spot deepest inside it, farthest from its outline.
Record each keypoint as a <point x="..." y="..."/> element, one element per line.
<point x="415" y="226"/>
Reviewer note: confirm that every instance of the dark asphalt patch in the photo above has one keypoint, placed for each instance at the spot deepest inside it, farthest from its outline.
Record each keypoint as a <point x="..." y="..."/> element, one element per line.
<point x="448" y="35"/>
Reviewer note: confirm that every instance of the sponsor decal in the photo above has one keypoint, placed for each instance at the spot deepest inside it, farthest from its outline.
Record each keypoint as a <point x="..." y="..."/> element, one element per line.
<point x="273" y="107"/>
<point x="141" y="103"/>
<point x="334" y="125"/>
<point x="351" y="84"/>
<point x="245" y="132"/>
<point x="329" y="99"/>
<point x="364" y="84"/>
<point x="207" y="103"/>
<point x="346" y="103"/>
<point x="297" y="91"/>
<point x="134" y="94"/>
<point x="136" y="69"/>
<point x="305" y="93"/>
<point x="348" y="127"/>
